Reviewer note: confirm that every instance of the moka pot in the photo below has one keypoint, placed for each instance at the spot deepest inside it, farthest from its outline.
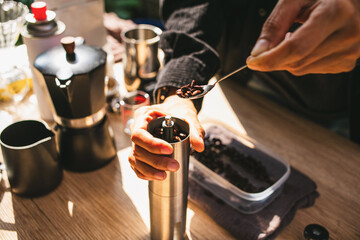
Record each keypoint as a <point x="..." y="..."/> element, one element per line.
<point x="75" y="79"/>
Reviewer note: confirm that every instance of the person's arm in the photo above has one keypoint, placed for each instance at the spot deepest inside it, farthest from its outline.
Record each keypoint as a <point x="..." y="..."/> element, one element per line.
<point x="193" y="30"/>
<point x="328" y="41"/>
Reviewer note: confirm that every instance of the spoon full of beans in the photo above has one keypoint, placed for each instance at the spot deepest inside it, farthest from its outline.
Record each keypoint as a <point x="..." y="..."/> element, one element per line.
<point x="192" y="91"/>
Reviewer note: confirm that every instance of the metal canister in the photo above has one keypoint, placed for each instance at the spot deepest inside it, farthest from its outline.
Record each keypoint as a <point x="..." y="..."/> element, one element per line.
<point x="168" y="198"/>
<point x="41" y="32"/>
<point x="140" y="61"/>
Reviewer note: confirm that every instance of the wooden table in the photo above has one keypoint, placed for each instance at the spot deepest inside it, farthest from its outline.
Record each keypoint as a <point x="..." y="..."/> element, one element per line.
<point x="112" y="203"/>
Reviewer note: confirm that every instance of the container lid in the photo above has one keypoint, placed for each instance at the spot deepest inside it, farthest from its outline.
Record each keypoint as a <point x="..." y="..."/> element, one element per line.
<point x="241" y="172"/>
<point x="81" y="59"/>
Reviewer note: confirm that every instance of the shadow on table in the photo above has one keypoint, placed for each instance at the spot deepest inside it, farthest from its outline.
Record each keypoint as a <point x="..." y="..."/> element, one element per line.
<point x="89" y="205"/>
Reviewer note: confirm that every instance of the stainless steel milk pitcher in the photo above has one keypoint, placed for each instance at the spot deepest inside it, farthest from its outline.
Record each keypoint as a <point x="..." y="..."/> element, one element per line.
<point x="168" y="198"/>
<point x="140" y="60"/>
<point x="31" y="158"/>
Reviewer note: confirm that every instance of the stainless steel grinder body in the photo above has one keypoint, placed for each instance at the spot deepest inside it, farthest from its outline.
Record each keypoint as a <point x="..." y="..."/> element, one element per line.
<point x="168" y="198"/>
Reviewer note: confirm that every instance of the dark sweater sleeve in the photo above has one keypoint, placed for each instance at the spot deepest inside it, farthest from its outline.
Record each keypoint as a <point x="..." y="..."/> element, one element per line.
<point x="193" y="29"/>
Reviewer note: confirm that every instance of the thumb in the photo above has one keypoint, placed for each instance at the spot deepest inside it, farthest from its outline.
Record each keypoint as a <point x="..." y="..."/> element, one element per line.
<point x="197" y="136"/>
<point x="277" y="25"/>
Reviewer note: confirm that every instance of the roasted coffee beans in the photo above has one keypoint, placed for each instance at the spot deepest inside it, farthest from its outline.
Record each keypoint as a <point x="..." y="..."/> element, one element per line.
<point x="178" y="135"/>
<point x="189" y="90"/>
<point x="214" y="154"/>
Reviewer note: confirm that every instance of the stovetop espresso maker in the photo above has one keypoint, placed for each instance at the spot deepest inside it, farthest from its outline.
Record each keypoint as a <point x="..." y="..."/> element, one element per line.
<point x="75" y="78"/>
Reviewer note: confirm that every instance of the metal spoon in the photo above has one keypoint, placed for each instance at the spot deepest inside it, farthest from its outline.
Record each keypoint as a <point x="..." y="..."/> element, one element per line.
<point x="208" y="87"/>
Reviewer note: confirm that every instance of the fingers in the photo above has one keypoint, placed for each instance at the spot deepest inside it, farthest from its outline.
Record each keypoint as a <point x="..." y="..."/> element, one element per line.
<point x="187" y="112"/>
<point x="140" y="136"/>
<point x="139" y="174"/>
<point x="156" y="161"/>
<point x="145" y="171"/>
<point x="335" y="63"/>
<point x="276" y="26"/>
<point x="336" y="54"/>
<point x="150" y="166"/>
<point x="329" y="30"/>
<point x="148" y="158"/>
<point x="197" y="134"/>
<point x="145" y="140"/>
<point x="144" y="115"/>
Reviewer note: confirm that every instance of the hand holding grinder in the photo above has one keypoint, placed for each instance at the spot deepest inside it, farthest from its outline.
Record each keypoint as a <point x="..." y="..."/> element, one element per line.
<point x="168" y="198"/>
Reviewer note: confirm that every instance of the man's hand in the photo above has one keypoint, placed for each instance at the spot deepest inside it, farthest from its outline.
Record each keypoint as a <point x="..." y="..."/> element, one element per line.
<point x="115" y="26"/>
<point x="328" y="41"/>
<point x="149" y="158"/>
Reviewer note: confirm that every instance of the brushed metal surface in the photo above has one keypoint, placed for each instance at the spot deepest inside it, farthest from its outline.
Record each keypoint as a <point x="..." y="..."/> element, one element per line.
<point x="168" y="198"/>
<point x="168" y="216"/>
<point x="140" y="59"/>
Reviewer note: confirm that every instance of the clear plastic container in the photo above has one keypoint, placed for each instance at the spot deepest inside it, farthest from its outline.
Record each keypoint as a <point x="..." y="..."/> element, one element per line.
<point x="246" y="202"/>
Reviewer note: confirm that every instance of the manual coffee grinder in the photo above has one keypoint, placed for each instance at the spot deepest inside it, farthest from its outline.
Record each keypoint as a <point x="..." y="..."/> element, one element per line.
<point x="75" y="80"/>
<point x="168" y="198"/>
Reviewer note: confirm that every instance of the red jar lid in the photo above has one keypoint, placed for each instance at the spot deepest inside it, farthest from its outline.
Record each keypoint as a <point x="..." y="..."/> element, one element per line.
<point x="39" y="10"/>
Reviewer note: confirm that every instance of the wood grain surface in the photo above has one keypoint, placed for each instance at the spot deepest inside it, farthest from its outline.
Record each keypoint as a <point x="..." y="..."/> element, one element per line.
<point x="112" y="203"/>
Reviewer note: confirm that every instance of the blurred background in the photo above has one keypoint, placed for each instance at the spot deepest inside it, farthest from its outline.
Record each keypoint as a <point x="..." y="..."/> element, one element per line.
<point x="136" y="10"/>
<point x="127" y="9"/>
<point x="139" y="11"/>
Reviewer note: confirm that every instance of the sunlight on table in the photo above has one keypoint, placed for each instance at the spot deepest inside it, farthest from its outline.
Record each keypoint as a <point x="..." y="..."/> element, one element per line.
<point x="215" y="106"/>
<point x="137" y="190"/>
<point x="9" y="217"/>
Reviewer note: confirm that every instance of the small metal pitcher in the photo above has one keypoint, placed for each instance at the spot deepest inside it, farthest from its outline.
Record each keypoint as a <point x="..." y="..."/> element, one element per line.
<point x="31" y="158"/>
<point x="140" y="61"/>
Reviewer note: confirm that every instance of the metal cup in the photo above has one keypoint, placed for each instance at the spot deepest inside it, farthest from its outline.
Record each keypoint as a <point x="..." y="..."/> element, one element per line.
<point x="140" y="61"/>
<point x="168" y="198"/>
<point x="31" y="159"/>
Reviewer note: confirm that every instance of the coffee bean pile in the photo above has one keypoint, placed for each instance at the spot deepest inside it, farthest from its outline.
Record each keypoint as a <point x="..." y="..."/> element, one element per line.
<point x="178" y="135"/>
<point x="212" y="157"/>
<point x="189" y="90"/>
